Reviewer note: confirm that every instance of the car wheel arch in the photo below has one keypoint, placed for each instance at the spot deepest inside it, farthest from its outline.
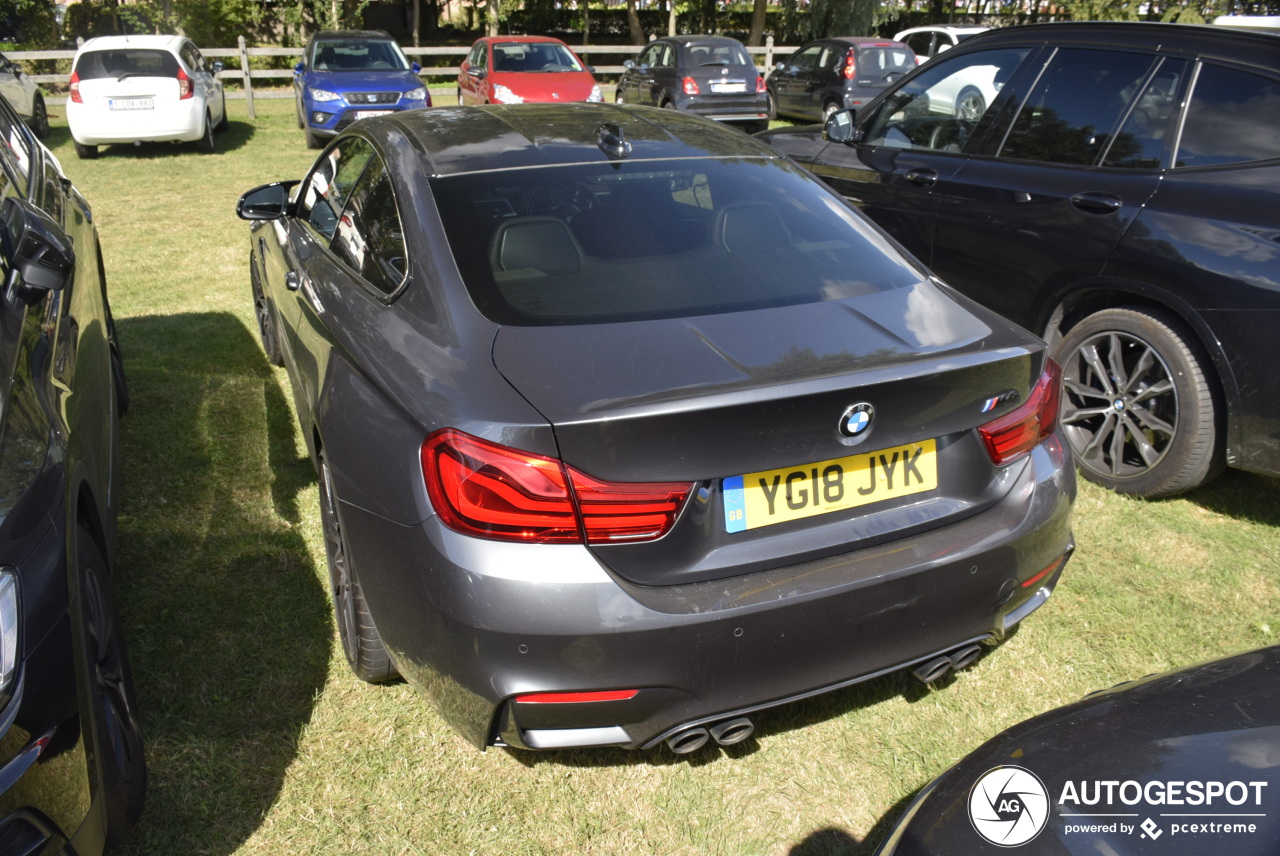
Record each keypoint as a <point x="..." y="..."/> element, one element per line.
<point x="1078" y="301"/>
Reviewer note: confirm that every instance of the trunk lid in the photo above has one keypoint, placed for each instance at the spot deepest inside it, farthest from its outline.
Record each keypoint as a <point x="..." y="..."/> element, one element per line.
<point x="710" y="398"/>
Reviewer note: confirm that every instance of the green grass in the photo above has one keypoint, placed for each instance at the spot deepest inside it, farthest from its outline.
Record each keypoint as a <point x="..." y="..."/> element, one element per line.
<point x="260" y="741"/>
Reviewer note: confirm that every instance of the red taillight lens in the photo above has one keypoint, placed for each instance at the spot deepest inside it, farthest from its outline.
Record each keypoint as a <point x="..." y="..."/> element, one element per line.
<point x="1016" y="433"/>
<point x="490" y="491"/>
<point x="185" y="89"/>
<point x="75" y="88"/>
<point x="850" y="66"/>
<point x="577" y="698"/>
<point x="690" y="86"/>
<point x="760" y="87"/>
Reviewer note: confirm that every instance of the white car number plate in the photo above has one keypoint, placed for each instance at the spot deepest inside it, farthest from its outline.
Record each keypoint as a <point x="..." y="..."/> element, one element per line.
<point x="728" y="87"/>
<point x="369" y="114"/>
<point x="131" y="103"/>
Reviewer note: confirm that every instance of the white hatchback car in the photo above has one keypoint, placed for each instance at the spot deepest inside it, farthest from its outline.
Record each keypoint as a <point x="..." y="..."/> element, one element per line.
<point x="134" y="89"/>
<point x="17" y="87"/>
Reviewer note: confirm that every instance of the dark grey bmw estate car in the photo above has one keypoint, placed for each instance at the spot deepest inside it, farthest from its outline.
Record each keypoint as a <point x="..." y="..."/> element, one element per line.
<point x="627" y="427"/>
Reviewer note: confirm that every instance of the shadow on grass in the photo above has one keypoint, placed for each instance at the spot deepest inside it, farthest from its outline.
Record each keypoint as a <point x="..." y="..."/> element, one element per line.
<point x="236" y="136"/>
<point x="1242" y="495"/>
<point x="228" y="624"/>
<point x="836" y="842"/>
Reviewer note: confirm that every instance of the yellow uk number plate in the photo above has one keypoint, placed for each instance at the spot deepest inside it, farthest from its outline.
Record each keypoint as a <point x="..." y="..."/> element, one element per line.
<point x="775" y="496"/>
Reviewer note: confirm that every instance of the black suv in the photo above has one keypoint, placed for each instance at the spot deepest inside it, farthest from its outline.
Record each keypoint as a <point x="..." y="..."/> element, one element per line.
<point x="830" y="75"/>
<point x="1117" y="196"/>
<point x="712" y="76"/>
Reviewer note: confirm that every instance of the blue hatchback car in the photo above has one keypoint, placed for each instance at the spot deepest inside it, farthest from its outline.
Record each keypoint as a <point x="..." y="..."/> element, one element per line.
<point x="347" y="75"/>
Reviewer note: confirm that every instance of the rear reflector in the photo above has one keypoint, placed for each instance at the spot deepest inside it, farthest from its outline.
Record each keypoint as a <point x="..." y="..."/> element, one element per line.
<point x="690" y="86"/>
<point x="575" y="698"/>
<point x="1017" y="432"/>
<point x="1057" y="563"/>
<point x="75" y="88"/>
<point x="491" y="491"/>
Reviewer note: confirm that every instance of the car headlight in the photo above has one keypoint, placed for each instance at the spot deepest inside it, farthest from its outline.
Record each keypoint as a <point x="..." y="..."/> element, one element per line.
<point x="419" y="94"/>
<point x="596" y="94"/>
<point x="8" y="628"/>
<point x="503" y="95"/>
<point x="322" y="94"/>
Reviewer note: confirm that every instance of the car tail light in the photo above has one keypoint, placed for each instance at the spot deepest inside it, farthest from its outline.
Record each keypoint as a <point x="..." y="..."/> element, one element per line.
<point x="185" y="89"/>
<point x="760" y="86"/>
<point x="491" y="491"/>
<point x="690" y="86"/>
<point x="576" y="698"/>
<point x="1018" y="431"/>
<point x="850" y="70"/>
<point x="75" y="88"/>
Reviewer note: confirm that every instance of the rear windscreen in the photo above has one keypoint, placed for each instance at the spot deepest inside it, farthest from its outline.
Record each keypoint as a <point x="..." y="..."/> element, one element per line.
<point x="718" y="54"/>
<point x="593" y="243"/>
<point x="126" y="62"/>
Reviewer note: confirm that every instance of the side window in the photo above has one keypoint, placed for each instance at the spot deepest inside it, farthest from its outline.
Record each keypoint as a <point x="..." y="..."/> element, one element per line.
<point x="1148" y="129"/>
<point x="806" y="59"/>
<point x="476" y="57"/>
<point x="941" y="107"/>
<point x="369" y="236"/>
<point x="648" y="56"/>
<point x="1233" y="117"/>
<point x="666" y="57"/>
<point x="1075" y="107"/>
<point x="326" y="190"/>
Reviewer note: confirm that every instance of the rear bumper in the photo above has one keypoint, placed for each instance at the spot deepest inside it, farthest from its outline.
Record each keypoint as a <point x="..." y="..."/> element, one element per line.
<point x="476" y="624"/>
<point x="94" y="124"/>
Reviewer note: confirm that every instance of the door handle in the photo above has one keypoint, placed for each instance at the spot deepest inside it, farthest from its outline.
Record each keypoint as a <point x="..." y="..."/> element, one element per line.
<point x="922" y="177"/>
<point x="1097" y="203"/>
<point x="292" y="281"/>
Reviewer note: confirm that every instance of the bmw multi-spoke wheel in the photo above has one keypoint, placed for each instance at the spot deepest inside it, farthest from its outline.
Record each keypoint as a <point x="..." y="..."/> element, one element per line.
<point x="266" y="324"/>
<point x="117" y="733"/>
<point x="360" y="640"/>
<point x="1138" y="408"/>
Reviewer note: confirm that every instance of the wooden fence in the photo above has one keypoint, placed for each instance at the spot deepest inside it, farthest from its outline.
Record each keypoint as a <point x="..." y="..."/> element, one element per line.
<point x="236" y="66"/>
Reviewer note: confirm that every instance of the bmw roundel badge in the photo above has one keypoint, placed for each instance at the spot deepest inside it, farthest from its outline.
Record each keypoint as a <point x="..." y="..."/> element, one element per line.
<point x="855" y="420"/>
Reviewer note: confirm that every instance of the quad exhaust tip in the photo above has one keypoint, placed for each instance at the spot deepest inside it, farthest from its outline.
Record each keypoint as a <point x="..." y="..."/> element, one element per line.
<point x="728" y="732"/>
<point x="937" y="668"/>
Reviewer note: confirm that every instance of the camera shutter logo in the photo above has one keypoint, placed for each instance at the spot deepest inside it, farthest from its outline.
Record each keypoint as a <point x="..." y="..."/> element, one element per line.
<point x="1009" y="806"/>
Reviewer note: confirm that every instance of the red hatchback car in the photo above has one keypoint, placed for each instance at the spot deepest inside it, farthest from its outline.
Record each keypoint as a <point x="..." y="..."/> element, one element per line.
<point x="519" y="69"/>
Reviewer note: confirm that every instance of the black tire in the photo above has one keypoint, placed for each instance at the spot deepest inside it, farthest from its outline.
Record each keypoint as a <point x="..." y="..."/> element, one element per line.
<point x="313" y="142"/>
<point x="267" y="332"/>
<point x="119" y="380"/>
<point x="205" y="144"/>
<point x="1138" y="407"/>
<point x="297" y="109"/>
<point x="669" y="105"/>
<point x="39" y="118"/>
<point x="618" y="97"/>
<point x="970" y="105"/>
<point x="115" y="731"/>
<point x="829" y="109"/>
<point x="773" y="105"/>
<point x="457" y="94"/>
<point x="86" y="152"/>
<point x="357" y="634"/>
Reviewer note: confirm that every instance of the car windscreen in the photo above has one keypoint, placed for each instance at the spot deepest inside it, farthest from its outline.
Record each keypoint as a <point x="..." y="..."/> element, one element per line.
<point x="357" y="55"/>
<point x="119" y="63"/>
<point x="718" y="54"/>
<point x="622" y="241"/>
<point x="534" y="57"/>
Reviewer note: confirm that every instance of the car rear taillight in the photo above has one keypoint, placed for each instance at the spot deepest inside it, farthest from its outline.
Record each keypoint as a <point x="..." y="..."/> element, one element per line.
<point x="690" y="86"/>
<point x="577" y="698"/>
<point x="1018" y="431"/>
<point x="75" y="88"/>
<point x="850" y="70"/>
<point x="760" y="86"/>
<point x="185" y="89"/>
<point x="491" y="491"/>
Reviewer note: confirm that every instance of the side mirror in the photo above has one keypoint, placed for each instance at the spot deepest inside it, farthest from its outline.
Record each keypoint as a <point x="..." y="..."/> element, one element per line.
<point x="415" y="67"/>
<point x="629" y="64"/>
<point x="476" y="71"/>
<point x="217" y="68"/>
<point x="300" y="68"/>
<point x="38" y="252"/>
<point x="841" y="127"/>
<point x="266" y="202"/>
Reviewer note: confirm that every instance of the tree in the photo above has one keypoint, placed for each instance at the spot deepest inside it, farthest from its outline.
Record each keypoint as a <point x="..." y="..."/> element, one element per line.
<point x="843" y="18"/>
<point x="30" y="22"/>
